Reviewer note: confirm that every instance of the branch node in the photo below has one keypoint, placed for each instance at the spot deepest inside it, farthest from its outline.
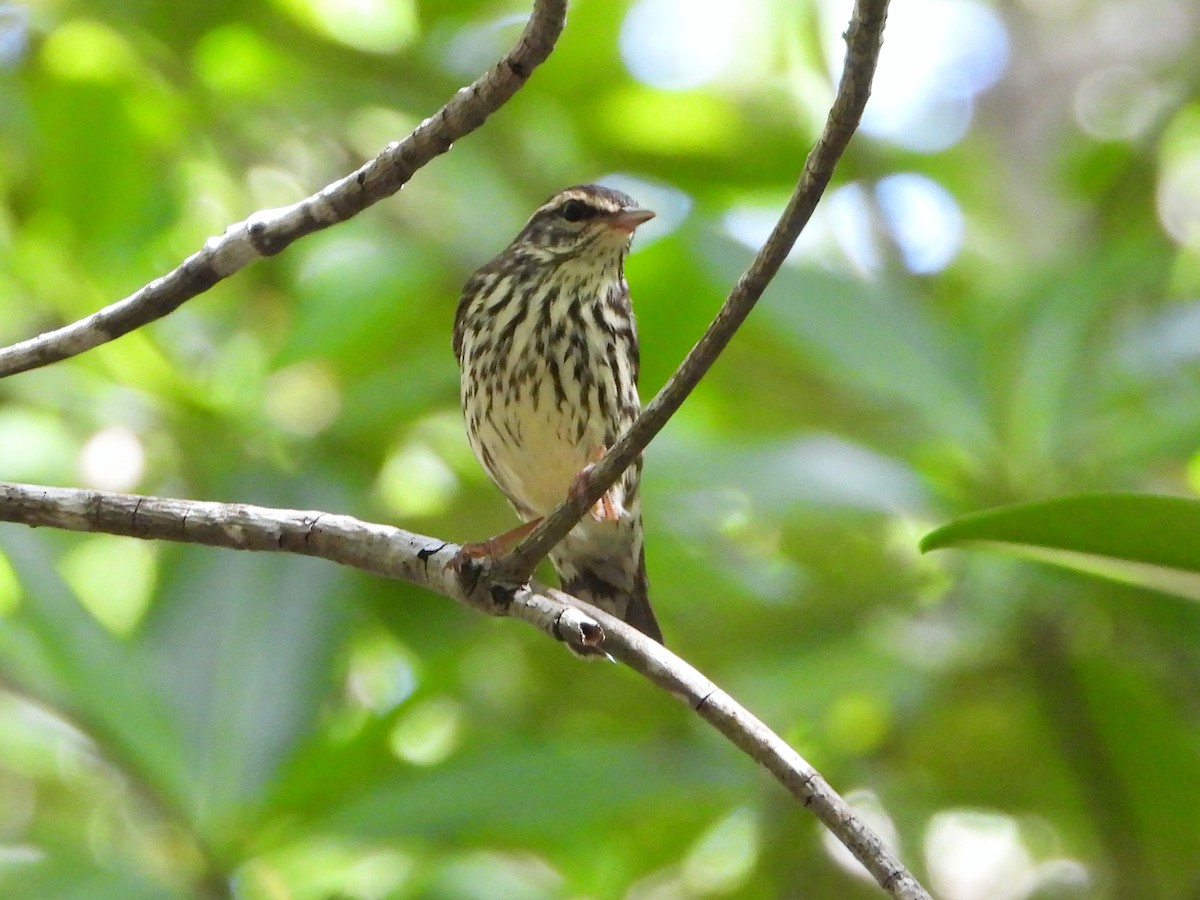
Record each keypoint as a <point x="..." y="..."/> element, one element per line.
<point x="502" y="597"/>
<point x="312" y="527"/>
<point x="578" y="631"/>
<point x="261" y="235"/>
<point x="469" y="574"/>
<point x="95" y="507"/>
<point x="425" y="552"/>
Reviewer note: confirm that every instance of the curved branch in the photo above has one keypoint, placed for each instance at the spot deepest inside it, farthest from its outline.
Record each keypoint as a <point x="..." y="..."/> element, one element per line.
<point x="379" y="549"/>
<point x="749" y="734"/>
<point x="395" y="553"/>
<point x="267" y="232"/>
<point x="864" y="37"/>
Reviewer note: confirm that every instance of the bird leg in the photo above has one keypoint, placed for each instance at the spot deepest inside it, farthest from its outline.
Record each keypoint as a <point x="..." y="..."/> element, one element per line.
<point x="493" y="547"/>
<point x="607" y="508"/>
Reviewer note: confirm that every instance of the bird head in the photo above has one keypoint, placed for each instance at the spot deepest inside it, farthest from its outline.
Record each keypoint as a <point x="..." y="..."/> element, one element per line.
<point x="583" y="221"/>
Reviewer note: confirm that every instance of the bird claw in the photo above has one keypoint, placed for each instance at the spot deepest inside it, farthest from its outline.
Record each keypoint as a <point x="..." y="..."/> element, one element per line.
<point x="491" y="548"/>
<point x="607" y="508"/>
<point x="467" y="554"/>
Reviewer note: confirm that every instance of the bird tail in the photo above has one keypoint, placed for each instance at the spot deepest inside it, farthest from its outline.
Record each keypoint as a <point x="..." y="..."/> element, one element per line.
<point x="613" y="586"/>
<point x="639" y="613"/>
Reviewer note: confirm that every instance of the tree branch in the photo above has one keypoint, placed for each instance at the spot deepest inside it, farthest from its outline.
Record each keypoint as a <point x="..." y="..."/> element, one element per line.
<point x="864" y="37"/>
<point x="418" y="559"/>
<point x="395" y="553"/>
<point x="267" y="232"/>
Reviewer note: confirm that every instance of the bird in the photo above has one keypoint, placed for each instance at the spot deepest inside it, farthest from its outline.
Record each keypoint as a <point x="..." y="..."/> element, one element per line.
<point x="547" y="347"/>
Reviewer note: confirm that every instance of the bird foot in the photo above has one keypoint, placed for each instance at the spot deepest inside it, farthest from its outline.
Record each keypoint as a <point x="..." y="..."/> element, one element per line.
<point x="607" y="508"/>
<point x="492" y="548"/>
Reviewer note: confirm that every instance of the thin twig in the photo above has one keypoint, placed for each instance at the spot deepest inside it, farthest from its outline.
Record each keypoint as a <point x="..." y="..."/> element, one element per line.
<point x="267" y="232"/>
<point x="864" y="37"/>
<point x="395" y="553"/>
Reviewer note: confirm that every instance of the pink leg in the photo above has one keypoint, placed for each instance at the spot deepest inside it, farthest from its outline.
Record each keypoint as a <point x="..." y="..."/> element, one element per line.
<point x="492" y="547"/>
<point x="606" y="509"/>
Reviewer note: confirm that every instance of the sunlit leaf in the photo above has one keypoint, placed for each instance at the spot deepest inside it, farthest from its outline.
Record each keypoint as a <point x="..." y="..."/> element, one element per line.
<point x="1138" y="538"/>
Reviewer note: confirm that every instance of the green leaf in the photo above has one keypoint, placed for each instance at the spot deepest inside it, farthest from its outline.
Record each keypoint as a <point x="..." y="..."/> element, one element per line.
<point x="1143" y="539"/>
<point x="241" y="644"/>
<point x="53" y="649"/>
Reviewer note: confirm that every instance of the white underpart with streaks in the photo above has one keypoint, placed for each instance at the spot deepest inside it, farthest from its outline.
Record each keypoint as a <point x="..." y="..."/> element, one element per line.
<point x="546" y="339"/>
<point x="539" y="418"/>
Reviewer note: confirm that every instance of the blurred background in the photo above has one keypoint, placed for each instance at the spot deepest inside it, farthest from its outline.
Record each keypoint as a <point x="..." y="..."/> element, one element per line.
<point x="998" y="300"/>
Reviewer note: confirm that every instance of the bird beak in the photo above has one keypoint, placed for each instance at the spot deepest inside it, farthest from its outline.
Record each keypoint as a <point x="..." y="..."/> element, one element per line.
<point x="628" y="219"/>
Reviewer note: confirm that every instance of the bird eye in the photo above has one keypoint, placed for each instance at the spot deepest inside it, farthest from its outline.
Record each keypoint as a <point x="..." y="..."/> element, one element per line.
<point x="576" y="211"/>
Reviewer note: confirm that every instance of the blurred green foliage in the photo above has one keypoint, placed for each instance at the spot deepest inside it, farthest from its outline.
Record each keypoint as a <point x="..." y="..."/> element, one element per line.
<point x="179" y="721"/>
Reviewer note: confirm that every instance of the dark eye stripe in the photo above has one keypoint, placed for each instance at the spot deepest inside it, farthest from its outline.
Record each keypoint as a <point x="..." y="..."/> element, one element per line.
<point x="576" y="211"/>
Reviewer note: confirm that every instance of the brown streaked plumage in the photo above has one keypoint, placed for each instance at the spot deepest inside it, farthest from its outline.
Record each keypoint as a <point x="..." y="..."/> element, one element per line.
<point x="547" y="344"/>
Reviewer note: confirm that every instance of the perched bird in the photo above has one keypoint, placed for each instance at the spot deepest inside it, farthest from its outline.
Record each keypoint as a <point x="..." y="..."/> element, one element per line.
<point x="548" y="349"/>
